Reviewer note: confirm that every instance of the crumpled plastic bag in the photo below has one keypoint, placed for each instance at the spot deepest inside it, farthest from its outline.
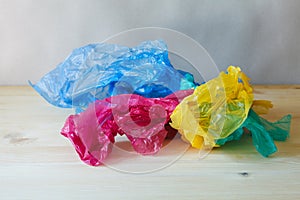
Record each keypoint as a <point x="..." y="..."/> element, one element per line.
<point x="98" y="71"/>
<point x="215" y="109"/>
<point x="263" y="132"/>
<point x="143" y="120"/>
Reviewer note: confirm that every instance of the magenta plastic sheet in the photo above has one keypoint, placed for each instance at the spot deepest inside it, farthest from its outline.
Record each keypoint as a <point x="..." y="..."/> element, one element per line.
<point x="143" y="120"/>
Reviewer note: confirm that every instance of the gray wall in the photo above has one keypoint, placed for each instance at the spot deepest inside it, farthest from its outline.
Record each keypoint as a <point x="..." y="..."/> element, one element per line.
<point x="262" y="36"/>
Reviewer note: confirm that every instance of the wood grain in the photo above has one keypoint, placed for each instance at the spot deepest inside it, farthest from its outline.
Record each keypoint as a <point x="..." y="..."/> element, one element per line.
<point x="36" y="162"/>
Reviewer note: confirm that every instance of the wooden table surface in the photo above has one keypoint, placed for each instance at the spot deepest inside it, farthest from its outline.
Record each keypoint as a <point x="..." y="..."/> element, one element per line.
<point x="36" y="162"/>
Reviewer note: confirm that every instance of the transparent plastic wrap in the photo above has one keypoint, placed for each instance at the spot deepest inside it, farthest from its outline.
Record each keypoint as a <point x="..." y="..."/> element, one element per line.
<point x="98" y="71"/>
<point x="143" y="120"/>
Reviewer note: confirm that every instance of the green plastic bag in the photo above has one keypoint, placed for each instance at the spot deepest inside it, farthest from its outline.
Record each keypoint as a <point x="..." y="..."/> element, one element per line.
<point x="263" y="132"/>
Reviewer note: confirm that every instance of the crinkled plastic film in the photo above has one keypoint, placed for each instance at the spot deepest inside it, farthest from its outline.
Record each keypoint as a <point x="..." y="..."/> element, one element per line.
<point x="263" y="132"/>
<point x="143" y="120"/>
<point x="98" y="71"/>
<point x="215" y="109"/>
<point x="128" y="91"/>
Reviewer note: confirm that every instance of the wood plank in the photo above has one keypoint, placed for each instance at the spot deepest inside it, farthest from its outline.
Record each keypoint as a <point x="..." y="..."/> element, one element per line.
<point x="36" y="162"/>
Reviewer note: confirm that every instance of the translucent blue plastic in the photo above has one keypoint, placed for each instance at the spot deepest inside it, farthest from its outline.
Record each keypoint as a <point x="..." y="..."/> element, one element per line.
<point x="263" y="132"/>
<point x="98" y="71"/>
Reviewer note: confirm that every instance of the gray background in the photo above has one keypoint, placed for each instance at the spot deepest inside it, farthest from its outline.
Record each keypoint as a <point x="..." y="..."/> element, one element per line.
<point x="261" y="36"/>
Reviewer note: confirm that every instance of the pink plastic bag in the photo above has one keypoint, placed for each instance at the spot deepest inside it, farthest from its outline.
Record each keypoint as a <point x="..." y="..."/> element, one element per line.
<point x="141" y="119"/>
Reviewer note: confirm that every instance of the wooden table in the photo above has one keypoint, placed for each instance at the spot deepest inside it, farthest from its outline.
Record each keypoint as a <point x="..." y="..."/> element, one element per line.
<point x="36" y="162"/>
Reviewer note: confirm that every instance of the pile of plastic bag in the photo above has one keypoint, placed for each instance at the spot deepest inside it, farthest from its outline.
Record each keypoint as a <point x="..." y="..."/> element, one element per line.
<point x="136" y="92"/>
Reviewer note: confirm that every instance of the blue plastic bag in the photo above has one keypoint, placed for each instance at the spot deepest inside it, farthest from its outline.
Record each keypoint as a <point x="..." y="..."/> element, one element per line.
<point x="98" y="71"/>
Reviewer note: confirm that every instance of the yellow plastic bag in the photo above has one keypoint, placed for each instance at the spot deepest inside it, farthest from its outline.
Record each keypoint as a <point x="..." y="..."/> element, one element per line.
<point x="261" y="106"/>
<point x="215" y="109"/>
